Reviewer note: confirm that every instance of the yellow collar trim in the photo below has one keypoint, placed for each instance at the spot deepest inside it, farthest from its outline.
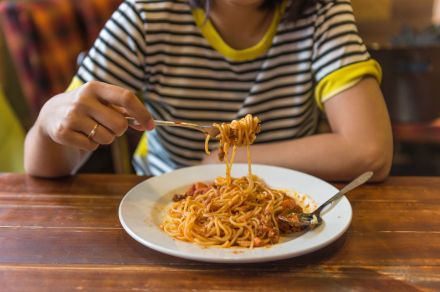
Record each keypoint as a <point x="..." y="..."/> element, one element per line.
<point x="215" y="40"/>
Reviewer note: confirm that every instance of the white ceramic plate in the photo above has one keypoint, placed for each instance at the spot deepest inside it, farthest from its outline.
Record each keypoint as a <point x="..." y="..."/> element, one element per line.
<point x="143" y="207"/>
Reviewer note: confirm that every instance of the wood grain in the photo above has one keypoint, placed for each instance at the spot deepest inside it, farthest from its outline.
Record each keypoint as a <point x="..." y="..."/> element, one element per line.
<point x="65" y="234"/>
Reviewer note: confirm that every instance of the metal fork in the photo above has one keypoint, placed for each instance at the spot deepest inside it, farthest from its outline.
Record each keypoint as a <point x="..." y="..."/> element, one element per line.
<point x="207" y="130"/>
<point x="314" y="219"/>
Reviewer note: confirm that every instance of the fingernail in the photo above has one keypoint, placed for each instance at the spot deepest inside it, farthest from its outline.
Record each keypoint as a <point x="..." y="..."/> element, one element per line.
<point x="150" y="125"/>
<point x="132" y="121"/>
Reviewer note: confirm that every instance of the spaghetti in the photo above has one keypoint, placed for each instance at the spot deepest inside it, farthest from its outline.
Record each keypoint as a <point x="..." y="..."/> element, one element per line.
<point x="231" y="211"/>
<point x="238" y="133"/>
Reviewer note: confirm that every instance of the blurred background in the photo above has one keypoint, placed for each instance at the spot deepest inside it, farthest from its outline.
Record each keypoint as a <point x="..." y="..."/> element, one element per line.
<point x="40" y="41"/>
<point x="404" y="36"/>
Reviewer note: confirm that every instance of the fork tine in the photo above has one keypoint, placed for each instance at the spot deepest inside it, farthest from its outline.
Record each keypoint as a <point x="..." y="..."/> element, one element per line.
<point x="212" y="131"/>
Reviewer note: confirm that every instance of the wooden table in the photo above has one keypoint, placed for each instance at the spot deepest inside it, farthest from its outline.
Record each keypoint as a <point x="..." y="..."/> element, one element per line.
<point x="58" y="235"/>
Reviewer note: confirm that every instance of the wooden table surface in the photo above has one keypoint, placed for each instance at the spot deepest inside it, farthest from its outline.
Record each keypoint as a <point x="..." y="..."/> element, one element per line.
<point x="58" y="235"/>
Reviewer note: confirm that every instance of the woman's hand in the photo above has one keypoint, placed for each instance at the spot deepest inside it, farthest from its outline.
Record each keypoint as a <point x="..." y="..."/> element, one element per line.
<point x="72" y="124"/>
<point x="69" y="118"/>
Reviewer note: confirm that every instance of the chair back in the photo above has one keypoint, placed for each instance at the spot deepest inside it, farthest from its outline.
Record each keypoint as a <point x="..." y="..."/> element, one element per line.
<point x="45" y="37"/>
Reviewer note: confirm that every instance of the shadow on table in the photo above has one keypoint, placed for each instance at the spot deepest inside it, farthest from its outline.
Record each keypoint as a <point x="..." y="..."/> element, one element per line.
<point x="318" y="270"/>
<point x="328" y="269"/>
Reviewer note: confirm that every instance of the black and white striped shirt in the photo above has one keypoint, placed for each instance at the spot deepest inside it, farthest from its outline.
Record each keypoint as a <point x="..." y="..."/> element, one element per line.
<point x="163" y="50"/>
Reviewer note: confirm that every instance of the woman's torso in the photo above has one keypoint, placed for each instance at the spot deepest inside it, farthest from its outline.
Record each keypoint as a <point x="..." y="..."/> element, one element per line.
<point x="188" y="80"/>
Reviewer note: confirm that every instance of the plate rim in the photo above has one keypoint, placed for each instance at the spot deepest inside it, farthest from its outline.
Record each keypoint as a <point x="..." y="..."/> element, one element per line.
<point x="232" y="260"/>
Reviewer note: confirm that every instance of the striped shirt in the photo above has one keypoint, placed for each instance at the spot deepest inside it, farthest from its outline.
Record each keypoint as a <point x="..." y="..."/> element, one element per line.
<point x="178" y="63"/>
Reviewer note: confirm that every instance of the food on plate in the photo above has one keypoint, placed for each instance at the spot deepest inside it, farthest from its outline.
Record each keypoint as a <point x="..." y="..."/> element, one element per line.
<point x="231" y="211"/>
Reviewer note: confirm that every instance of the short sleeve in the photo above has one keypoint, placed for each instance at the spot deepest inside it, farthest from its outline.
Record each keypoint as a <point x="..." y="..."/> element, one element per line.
<point x="338" y="51"/>
<point x="117" y="55"/>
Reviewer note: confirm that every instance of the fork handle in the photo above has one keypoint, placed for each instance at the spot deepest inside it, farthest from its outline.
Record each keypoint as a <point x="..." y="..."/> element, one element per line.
<point x="178" y="124"/>
<point x="133" y="121"/>
<point x="363" y="178"/>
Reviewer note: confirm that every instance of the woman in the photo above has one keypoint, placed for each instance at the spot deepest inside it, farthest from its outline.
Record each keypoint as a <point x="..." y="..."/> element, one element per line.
<point x="208" y="61"/>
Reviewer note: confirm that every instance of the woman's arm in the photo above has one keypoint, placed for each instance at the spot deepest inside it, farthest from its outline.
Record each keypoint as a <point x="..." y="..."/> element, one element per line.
<point x="361" y="139"/>
<point x="57" y="144"/>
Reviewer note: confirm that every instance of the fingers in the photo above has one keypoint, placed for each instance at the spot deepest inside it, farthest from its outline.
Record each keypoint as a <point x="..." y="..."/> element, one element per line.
<point x="91" y="129"/>
<point x="132" y="122"/>
<point x="110" y="118"/>
<point x="114" y="95"/>
<point x="96" y="132"/>
<point x="79" y="140"/>
<point x="69" y="118"/>
<point x="71" y="138"/>
<point x="82" y="132"/>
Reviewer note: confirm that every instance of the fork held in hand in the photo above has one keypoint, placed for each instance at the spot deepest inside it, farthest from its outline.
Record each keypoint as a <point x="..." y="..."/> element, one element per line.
<point x="207" y="130"/>
<point x="314" y="218"/>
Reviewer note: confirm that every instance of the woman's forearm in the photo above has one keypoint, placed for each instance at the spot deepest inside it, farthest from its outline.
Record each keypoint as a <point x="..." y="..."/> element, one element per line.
<point x="361" y="139"/>
<point x="328" y="156"/>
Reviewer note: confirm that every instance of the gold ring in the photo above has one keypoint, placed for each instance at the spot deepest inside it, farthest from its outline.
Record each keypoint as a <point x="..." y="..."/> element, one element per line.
<point x="93" y="131"/>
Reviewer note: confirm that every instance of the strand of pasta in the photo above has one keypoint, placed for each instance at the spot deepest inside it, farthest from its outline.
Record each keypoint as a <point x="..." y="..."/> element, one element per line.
<point x="194" y="220"/>
<point x="233" y="211"/>
<point x="237" y="133"/>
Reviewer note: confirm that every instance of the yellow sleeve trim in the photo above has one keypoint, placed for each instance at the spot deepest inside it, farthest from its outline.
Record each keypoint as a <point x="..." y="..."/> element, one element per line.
<point x="213" y="37"/>
<point x="142" y="147"/>
<point x="344" y="78"/>
<point x="74" y="84"/>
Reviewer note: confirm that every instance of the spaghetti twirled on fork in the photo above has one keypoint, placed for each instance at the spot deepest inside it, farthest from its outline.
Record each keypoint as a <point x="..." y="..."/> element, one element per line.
<point x="230" y="211"/>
